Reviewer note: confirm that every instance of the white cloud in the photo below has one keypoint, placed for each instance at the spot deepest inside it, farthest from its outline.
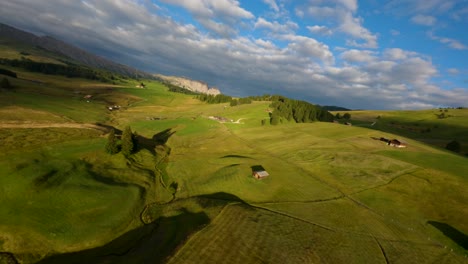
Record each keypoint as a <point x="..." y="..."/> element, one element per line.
<point x="342" y="14"/>
<point x="352" y="26"/>
<point x="322" y="30"/>
<point x="276" y="26"/>
<point x="309" y="48"/>
<point x="272" y="4"/>
<point x="218" y="16"/>
<point x="424" y="20"/>
<point x="397" y="54"/>
<point x="358" y="55"/>
<point x="405" y="7"/>
<point x="451" y="43"/>
<point x="213" y="8"/>
<point x="349" y="4"/>
<point x="453" y="71"/>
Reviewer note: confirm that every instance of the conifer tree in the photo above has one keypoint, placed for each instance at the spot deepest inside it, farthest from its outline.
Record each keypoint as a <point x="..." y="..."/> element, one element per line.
<point x="111" y="146"/>
<point x="127" y="142"/>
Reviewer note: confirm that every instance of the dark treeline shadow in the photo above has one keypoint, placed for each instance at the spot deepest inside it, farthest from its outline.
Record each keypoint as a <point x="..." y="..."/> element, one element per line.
<point x="458" y="237"/>
<point x="151" y="243"/>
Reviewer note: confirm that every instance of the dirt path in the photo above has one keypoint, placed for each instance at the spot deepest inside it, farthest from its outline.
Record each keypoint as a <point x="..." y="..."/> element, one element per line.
<point x="51" y="125"/>
<point x="238" y="121"/>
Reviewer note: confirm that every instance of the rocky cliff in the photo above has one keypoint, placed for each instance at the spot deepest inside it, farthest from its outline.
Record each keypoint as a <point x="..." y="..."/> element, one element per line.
<point x="191" y="85"/>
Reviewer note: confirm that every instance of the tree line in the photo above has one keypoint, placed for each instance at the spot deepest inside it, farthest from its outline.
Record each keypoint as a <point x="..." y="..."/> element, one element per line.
<point x="222" y="98"/>
<point x="297" y="111"/>
<point x="69" y="70"/>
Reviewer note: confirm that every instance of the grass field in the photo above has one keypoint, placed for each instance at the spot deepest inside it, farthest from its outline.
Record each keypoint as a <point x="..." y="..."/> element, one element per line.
<point x="424" y="125"/>
<point x="334" y="194"/>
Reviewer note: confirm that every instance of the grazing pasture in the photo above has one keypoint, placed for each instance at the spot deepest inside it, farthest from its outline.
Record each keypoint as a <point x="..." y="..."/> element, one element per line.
<point x="186" y="195"/>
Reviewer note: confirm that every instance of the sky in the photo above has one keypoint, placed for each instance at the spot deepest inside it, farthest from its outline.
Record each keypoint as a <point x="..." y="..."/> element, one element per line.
<point x="372" y="54"/>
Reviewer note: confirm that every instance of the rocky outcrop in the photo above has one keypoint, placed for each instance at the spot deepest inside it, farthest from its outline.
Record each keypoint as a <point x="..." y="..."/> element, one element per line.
<point x="191" y="85"/>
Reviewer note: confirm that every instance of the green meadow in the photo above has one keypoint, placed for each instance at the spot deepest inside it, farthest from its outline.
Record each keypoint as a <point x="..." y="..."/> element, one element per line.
<point x="435" y="127"/>
<point x="334" y="194"/>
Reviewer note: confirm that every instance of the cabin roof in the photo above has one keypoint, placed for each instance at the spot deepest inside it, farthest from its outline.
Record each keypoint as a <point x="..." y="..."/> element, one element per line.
<point x="261" y="173"/>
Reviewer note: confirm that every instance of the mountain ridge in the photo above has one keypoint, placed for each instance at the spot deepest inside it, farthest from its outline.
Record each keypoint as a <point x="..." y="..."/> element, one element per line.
<point x="9" y="33"/>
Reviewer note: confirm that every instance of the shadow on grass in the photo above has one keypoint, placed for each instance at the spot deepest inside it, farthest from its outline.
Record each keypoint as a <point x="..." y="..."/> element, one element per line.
<point x="162" y="137"/>
<point x="236" y="156"/>
<point x="222" y="196"/>
<point x="158" y="139"/>
<point x="452" y="233"/>
<point x="257" y="168"/>
<point x="7" y="258"/>
<point x="151" y="243"/>
<point x="142" y="142"/>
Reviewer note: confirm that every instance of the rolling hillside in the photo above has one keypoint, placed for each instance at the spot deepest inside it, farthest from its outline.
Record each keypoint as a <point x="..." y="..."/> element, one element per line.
<point x="187" y="195"/>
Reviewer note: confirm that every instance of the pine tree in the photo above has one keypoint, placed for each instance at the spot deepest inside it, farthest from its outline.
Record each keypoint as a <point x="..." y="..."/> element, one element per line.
<point x="127" y="142"/>
<point x="111" y="146"/>
<point x="274" y="120"/>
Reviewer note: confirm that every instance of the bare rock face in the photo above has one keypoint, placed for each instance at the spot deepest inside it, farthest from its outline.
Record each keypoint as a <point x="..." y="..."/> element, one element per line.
<point x="191" y="85"/>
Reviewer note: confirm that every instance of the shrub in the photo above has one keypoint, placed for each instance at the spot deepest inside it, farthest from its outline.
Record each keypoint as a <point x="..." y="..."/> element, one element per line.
<point x="347" y="116"/>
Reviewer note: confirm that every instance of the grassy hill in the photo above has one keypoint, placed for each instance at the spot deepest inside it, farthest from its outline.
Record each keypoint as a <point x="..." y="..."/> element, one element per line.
<point x="436" y="127"/>
<point x="334" y="194"/>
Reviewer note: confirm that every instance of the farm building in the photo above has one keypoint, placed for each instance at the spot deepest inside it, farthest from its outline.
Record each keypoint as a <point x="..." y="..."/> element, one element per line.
<point x="397" y="143"/>
<point x="394" y="142"/>
<point x="260" y="174"/>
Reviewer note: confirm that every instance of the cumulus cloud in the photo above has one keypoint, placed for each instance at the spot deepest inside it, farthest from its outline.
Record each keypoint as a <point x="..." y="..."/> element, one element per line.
<point x="406" y="7"/>
<point x="424" y="20"/>
<point x="352" y="26"/>
<point x="213" y="8"/>
<point x="276" y="26"/>
<point x="349" y="4"/>
<point x="354" y="55"/>
<point x="397" y="54"/>
<point x="217" y="16"/>
<point x="342" y="12"/>
<point x="309" y="48"/>
<point x="322" y="30"/>
<point x="272" y="4"/>
<point x="451" y="43"/>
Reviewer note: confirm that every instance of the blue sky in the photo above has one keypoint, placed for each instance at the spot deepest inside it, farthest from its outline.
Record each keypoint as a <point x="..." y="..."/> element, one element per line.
<point x="394" y="54"/>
